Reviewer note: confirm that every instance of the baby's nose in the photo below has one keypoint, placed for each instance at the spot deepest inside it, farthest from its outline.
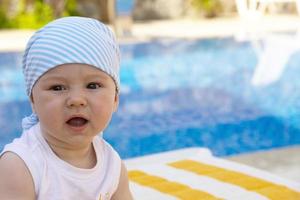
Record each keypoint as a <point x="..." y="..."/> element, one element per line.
<point x="76" y="100"/>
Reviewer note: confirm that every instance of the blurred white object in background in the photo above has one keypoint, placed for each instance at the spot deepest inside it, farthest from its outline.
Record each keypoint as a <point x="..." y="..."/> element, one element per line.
<point x="250" y="8"/>
<point x="275" y="54"/>
<point x="273" y="50"/>
<point x="251" y="14"/>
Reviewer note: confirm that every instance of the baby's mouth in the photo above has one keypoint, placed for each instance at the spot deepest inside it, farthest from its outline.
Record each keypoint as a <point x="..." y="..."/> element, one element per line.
<point x="77" y="121"/>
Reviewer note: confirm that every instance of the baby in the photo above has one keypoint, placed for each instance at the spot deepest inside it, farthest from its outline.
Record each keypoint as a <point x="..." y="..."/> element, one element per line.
<point x="71" y="69"/>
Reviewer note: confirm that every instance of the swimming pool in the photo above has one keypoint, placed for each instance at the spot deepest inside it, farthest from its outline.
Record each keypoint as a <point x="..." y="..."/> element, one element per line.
<point x="181" y="93"/>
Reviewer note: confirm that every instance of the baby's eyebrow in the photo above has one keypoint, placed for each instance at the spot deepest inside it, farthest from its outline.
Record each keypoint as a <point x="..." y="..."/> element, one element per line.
<point x="97" y="76"/>
<point x="54" y="78"/>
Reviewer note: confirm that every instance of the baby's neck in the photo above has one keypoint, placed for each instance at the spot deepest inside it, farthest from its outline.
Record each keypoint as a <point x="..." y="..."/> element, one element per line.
<point x="81" y="158"/>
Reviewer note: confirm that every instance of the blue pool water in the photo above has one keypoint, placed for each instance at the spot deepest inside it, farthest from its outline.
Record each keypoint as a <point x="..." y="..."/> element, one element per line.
<point x="183" y="93"/>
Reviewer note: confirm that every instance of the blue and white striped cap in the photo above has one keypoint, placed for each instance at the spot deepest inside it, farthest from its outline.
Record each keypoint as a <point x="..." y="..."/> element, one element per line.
<point x="69" y="40"/>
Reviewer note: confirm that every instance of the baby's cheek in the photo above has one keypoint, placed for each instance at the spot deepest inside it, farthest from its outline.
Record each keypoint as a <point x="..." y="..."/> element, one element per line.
<point x="103" y="112"/>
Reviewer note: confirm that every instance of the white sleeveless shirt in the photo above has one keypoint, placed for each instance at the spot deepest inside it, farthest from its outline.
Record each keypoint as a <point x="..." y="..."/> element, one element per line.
<point x="55" y="179"/>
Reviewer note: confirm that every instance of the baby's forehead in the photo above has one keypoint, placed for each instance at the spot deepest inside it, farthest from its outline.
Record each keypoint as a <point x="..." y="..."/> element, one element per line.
<point x="71" y="70"/>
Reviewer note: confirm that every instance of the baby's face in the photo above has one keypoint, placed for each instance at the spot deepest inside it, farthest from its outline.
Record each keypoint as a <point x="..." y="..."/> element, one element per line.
<point x="74" y="102"/>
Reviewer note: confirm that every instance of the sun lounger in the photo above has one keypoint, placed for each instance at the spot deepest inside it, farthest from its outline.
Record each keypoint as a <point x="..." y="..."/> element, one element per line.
<point x="193" y="174"/>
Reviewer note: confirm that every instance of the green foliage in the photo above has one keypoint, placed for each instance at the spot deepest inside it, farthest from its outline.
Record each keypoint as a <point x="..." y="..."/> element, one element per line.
<point x="71" y="8"/>
<point x="210" y="8"/>
<point x="4" y="22"/>
<point x="38" y="16"/>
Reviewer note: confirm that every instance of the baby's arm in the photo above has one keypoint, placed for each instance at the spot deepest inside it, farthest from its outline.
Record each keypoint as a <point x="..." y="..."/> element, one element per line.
<point x="16" y="182"/>
<point x="123" y="192"/>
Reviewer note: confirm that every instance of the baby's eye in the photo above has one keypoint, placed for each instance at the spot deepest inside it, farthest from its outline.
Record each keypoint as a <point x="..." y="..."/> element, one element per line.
<point x="57" y="87"/>
<point x="93" y="85"/>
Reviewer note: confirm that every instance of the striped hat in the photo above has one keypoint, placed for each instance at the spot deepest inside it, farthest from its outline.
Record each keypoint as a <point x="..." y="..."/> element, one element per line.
<point x="69" y="40"/>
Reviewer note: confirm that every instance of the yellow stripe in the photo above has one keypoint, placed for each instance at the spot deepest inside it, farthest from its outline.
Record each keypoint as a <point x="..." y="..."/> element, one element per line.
<point x="268" y="189"/>
<point x="172" y="188"/>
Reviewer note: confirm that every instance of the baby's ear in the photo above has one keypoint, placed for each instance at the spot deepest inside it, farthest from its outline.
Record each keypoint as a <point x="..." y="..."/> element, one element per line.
<point x="31" y="98"/>
<point x="31" y="103"/>
<point x="116" y="103"/>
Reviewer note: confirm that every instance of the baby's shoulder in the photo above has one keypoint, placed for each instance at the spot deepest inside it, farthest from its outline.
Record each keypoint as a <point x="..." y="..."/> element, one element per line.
<point x="27" y="155"/>
<point x="16" y="180"/>
<point x="11" y="162"/>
